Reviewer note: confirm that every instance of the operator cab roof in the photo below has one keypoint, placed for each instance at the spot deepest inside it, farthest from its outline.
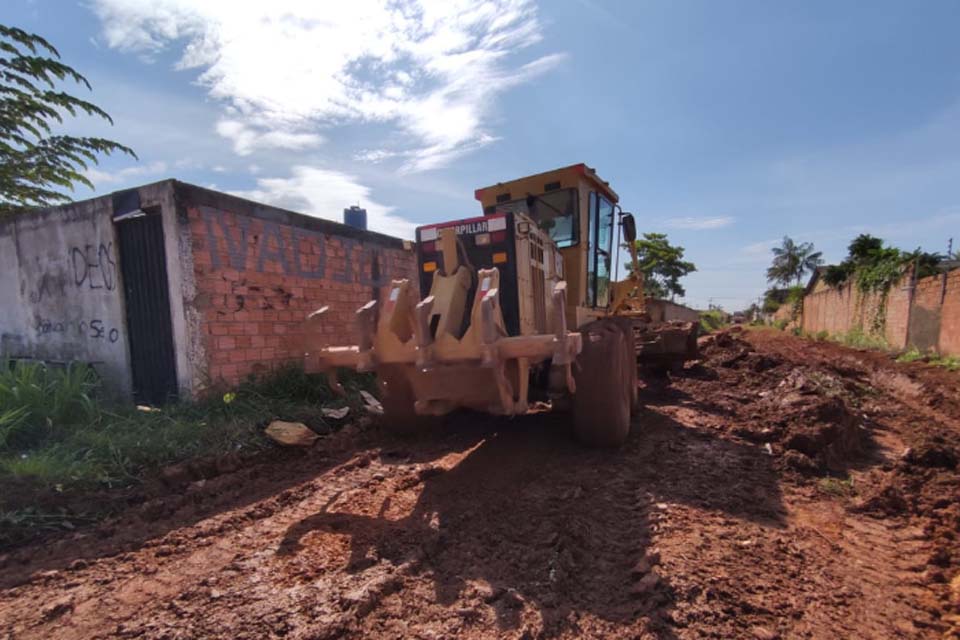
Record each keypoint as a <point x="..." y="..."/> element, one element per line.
<point x="538" y="183"/>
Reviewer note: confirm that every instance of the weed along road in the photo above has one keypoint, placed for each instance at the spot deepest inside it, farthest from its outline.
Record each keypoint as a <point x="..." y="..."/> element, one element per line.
<point x="779" y="488"/>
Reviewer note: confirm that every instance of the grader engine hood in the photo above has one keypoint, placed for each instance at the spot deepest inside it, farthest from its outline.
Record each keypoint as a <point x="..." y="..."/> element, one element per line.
<point x="487" y="242"/>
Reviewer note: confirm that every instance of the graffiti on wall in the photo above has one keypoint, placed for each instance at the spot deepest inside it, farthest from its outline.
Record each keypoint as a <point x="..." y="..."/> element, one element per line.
<point x="90" y="267"/>
<point x="94" y="266"/>
<point x="271" y="247"/>
<point x="92" y="329"/>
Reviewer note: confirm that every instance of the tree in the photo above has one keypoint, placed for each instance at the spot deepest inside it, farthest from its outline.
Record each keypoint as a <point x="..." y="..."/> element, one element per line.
<point x="662" y="266"/>
<point x="876" y="266"/>
<point x="791" y="261"/>
<point x="864" y="249"/>
<point x="36" y="164"/>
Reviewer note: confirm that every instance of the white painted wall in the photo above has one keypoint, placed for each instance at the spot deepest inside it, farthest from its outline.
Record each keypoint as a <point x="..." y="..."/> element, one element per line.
<point x="60" y="292"/>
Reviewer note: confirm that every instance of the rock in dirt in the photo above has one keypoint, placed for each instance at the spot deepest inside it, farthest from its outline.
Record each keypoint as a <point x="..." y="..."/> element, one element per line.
<point x="291" y="434"/>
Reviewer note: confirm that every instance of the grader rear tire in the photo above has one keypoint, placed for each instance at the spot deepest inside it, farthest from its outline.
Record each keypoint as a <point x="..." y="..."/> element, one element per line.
<point x="397" y="398"/>
<point x="606" y="386"/>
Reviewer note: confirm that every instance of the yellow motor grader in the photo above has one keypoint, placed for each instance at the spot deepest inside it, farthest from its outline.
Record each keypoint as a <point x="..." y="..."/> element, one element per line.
<point x="513" y="307"/>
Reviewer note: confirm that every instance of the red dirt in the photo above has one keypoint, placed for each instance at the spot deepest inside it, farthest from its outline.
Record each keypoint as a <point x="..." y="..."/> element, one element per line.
<point x="727" y="514"/>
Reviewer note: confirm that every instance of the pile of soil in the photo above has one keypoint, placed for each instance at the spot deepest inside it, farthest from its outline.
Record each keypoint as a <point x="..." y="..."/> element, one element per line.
<point x="803" y="414"/>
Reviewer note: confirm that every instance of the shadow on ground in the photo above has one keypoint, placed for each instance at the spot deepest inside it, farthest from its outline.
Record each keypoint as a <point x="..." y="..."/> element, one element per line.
<point x="543" y="523"/>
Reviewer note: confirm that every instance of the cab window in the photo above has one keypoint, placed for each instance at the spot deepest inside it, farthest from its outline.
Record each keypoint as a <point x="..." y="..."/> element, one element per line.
<point x="599" y="250"/>
<point x="555" y="212"/>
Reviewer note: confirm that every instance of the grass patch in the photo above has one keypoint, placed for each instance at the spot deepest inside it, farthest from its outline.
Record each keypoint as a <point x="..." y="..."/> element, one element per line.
<point x="858" y="339"/>
<point x="839" y="487"/>
<point x="911" y="355"/>
<point x="950" y="363"/>
<point x="711" y="321"/>
<point x="57" y="437"/>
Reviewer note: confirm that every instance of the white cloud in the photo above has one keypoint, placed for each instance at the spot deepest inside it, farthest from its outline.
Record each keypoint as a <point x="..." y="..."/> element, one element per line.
<point x="325" y="194"/>
<point x="247" y="138"/>
<point x="699" y="224"/>
<point x="288" y="68"/>
<point x="128" y="174"/>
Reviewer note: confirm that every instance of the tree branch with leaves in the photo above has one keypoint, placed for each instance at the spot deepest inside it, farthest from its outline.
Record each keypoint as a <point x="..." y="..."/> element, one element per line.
<point x="662" y="265"/>
<point x="36" y="164"/>
<point x="791" y="261"/>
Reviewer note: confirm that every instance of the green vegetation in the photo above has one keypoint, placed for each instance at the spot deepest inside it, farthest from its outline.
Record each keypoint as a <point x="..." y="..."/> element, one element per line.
<point x="56" y="437"/>
<point x="662" y="265"/>
<point x="950" y="363"/>
<point x="875" y="268"/>
<point x="712" y="320"/>
<point x="35" y="165"/>
<point x="858" y="339"/>
<point x="912" y="355"/>
<point x="791" y="261"/>
<point x="775" y="298"/>
<point x="839" y="487"/>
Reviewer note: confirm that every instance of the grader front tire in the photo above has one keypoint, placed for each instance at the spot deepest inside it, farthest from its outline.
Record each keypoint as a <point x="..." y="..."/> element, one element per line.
<point x="606" y="384"/>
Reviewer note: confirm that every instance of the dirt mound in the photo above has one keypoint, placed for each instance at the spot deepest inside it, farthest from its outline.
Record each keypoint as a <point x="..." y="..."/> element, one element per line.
<point x="802" y="413"/>
<point x="823" y="429"/>
<point x="935" y="453"/>
<point x="886" y="499"/>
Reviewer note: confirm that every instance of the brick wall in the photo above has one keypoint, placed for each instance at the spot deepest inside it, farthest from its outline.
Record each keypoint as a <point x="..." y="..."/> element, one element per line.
<point x="934" y="319"/>
<point x="257" y="278"/>
<point x="841" y="310"/>
<point x="949" y="340"/>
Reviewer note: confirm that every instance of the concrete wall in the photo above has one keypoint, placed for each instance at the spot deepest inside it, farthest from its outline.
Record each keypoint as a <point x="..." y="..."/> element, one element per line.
<point x="665" y="311"/>
<point x="258" y="271"/>
<point x="60" y="290"/>
<point x="933" y="318"/>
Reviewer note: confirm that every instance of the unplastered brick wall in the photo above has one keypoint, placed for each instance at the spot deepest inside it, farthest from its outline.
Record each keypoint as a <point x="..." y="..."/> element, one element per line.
<point x="931" y="322"/>
<point x="257" y="277"/>
<point x="844" y="309"/>
<point x="950" y="316"/>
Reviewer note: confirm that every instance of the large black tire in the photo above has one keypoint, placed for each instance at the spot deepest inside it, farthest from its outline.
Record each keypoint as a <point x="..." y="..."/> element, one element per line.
<point x="606" y="375"/>
<point x="397" y="398"/>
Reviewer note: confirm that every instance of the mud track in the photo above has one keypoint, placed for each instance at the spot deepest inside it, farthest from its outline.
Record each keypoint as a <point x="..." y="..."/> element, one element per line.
<point x="780" y="489"/>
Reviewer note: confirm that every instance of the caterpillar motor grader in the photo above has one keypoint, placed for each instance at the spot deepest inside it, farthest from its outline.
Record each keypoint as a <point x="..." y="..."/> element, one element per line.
<point x="513" y="307"/>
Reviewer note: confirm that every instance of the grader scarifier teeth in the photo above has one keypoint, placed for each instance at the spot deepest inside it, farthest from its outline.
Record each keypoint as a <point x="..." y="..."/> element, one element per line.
<point x="484" y="369"/>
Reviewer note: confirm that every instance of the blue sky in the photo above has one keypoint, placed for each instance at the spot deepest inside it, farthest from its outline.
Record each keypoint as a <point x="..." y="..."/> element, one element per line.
<point x="724" y="124"/>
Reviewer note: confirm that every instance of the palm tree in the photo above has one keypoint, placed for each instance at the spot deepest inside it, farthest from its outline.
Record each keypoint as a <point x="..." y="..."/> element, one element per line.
<point x="791" y="261"/>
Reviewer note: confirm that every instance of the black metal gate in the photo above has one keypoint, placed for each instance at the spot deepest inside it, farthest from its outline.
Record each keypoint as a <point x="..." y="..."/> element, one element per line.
<point x="143" y="266"/>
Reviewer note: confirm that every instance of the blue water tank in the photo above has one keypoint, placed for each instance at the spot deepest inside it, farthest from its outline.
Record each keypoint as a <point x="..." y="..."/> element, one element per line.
<point x="355" y="217"/>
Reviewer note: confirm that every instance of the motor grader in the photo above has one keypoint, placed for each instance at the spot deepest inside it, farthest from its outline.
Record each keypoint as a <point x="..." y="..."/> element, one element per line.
<point x="514" y="307"/>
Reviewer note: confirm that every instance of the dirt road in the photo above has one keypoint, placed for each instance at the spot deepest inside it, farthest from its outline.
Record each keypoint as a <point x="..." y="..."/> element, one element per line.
<point x="728" y="514"/>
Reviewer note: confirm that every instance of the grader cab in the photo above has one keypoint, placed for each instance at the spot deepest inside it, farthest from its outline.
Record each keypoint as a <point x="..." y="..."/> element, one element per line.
<point x="512" y="307"/>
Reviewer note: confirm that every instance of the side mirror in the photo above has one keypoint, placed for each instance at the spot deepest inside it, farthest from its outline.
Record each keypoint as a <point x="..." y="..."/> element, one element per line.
<point x="629" y="227"/>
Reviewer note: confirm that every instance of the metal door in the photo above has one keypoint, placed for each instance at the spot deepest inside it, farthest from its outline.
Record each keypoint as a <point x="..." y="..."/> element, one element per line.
<point x="143" y="267"/>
